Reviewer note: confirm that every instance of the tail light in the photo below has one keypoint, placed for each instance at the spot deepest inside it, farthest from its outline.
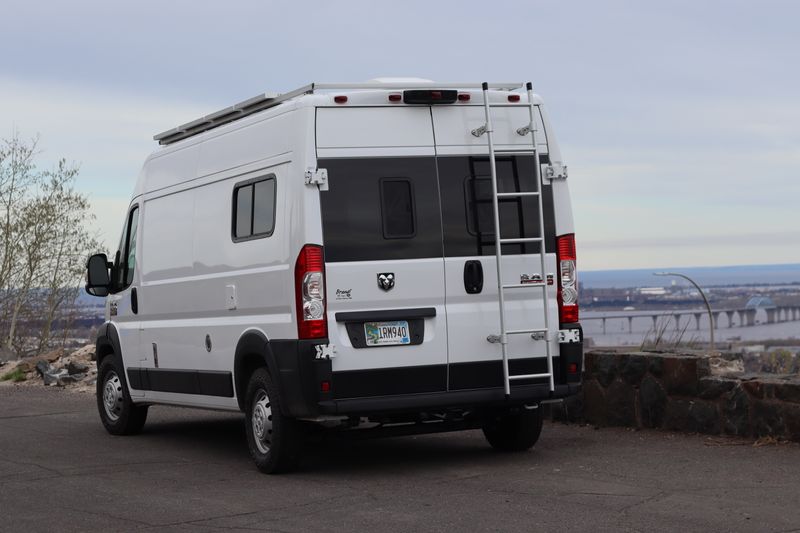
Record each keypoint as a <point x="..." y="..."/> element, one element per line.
<point x="309" y="279"/>
<point x="568" y="279"/>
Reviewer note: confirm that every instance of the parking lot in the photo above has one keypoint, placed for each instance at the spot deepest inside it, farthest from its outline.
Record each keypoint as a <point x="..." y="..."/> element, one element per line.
<point x="190" y="471"/>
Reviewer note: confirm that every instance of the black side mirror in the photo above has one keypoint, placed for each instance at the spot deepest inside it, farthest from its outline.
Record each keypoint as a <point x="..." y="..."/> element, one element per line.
<point x="98" y="280"/>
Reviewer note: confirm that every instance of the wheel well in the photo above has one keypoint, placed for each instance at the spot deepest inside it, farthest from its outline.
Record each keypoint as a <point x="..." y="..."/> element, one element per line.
<point x="245" y="367"/>
<point x="102" y="352"/>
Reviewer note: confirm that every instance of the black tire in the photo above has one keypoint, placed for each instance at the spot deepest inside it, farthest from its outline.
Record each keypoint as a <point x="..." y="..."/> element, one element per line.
<point x="119" y="414"/>
<point x="514" y="431"/>
<point x="274" y="439"/>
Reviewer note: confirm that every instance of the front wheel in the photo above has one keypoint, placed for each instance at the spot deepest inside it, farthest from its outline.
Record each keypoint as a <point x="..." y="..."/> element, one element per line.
<point x="513" y="431"/>
<point x="119" y="414"/>
<point x="273" y="439"/>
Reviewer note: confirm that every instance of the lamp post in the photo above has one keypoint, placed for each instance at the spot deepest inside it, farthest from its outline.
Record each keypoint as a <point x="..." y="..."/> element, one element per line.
<point x="708" y="306"/>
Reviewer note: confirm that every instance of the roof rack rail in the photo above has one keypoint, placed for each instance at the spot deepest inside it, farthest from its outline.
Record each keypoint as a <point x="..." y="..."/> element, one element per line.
<point x="267" y="100"/>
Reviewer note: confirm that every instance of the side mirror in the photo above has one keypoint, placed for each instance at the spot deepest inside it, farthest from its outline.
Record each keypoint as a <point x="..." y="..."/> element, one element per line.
<point x="98" y="279"/>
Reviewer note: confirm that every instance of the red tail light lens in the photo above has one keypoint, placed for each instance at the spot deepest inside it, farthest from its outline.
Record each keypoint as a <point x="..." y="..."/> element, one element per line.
<point x="309" y="280"/>
<point x="513" y="98"/>
<point x="341" y="99"/>
<point x="567" y="279"/>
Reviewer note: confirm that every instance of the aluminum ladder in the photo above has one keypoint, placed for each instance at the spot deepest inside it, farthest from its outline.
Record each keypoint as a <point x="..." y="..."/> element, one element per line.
<point x="530" y="128"/>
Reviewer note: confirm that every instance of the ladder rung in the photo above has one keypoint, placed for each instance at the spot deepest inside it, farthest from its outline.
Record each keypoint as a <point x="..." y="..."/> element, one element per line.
<point x="529" y="376"/>
<point x="515" y="194"/>
<point x="521" y="331"/>
<point x="523" y="239"/>
<point x="525" y="285"/>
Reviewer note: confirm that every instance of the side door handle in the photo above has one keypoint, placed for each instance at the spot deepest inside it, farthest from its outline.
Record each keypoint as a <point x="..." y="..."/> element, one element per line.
<point x="134" y="301"/>
<point x="473" y="277"/>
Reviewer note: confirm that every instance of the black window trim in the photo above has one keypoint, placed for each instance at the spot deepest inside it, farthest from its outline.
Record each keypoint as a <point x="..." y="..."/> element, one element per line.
<point x="410" y="183"/>
<point x="234" y="206"/>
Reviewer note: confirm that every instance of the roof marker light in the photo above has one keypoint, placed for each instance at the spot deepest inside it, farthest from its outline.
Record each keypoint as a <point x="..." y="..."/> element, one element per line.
<point x="340" y="99"/>
<point x="513" y="98"/>
<point x="463" y="97"/>
<point x="395" y="97"/>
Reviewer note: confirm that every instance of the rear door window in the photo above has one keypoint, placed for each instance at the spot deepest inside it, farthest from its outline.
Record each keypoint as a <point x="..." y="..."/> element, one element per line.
<point x="381" y="208"/>
<point x="397" y="208"/>
<point x="467" y="211"/>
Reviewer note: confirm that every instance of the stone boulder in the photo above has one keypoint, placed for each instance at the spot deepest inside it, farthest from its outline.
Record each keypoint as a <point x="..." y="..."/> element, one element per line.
<point x="76" y="367"/>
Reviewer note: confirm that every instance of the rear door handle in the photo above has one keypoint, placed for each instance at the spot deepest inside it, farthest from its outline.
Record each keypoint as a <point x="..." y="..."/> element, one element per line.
<point x="473" y="277"/>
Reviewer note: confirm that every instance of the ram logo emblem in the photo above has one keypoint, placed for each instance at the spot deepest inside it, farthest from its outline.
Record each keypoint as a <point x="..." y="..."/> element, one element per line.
<point x="386" y="281"/>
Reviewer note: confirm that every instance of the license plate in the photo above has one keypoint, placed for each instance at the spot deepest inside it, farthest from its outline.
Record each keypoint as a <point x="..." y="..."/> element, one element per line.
<point x="386" y="333"/>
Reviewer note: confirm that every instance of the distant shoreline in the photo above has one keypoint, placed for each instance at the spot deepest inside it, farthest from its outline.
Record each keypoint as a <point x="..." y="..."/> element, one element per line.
<point x="738" y="275"/>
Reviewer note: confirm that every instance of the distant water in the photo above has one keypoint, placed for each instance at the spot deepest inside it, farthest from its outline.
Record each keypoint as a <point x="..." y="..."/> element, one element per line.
<point x="619" y="332"/>
<point x="705" y="276"/>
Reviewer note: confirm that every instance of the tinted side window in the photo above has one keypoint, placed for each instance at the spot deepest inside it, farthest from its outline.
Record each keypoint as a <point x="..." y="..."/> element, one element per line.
<point x="125" y="259"/>
<point x="119" y="258"/>
<point x="130" y="263"/>
<point x="244" y="211"/>
<point x="263" y="207"/>
<point x="467" y="205"/>
<point x="381" y="208"/>
<point x="254" y="209"/>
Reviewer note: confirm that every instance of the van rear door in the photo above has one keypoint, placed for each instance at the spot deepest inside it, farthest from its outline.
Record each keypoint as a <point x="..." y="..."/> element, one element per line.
<point x="382" y="239"/>
<point x="467" y="214"/>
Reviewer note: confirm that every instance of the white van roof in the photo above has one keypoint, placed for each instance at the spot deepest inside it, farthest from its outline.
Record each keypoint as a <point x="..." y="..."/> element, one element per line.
<point x="266" y="100"/>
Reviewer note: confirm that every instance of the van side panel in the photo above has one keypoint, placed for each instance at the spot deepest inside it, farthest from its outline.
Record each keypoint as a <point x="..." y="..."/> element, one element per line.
<point x="201" y="290"/>
<point x="246" y="144"/>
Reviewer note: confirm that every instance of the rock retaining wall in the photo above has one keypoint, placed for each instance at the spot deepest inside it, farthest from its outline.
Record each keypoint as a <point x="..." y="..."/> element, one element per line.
<point x="677" y="391"/>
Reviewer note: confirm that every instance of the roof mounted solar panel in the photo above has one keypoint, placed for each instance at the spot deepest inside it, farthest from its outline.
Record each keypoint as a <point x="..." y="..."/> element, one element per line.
<point x="267" y="100"/>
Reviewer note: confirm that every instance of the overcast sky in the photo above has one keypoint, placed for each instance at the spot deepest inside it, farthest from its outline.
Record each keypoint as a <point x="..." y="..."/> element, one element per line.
<point x="680" y="121"/>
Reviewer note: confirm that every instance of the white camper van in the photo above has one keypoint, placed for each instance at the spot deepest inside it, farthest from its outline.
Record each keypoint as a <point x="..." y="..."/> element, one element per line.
<point x="329" y="256"/>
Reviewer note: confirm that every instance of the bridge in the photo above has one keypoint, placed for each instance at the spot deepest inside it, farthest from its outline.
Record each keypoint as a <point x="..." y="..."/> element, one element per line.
<point x="742" y="317"/>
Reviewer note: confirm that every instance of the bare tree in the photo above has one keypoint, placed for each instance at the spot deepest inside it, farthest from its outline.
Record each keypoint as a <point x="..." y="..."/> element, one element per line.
<point x="16" y="177"/>
<point x="43" y="230"/>
<point x="70" y="245"/>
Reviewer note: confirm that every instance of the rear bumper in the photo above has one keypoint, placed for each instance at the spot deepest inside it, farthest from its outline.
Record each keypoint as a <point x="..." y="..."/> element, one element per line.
<point x="495" y="397"/>
<point x="303" y="376"/>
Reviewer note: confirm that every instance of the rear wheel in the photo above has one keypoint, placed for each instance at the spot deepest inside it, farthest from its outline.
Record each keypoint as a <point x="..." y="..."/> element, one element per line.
<point x="119" y="414"/>
<point x="514" y="431"/>
<point x="273" y="439"/>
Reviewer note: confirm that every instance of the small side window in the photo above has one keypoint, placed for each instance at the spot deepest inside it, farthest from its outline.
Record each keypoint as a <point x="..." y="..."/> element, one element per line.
<point x="244" y="212"/>
<point x="254" y="209"/>
<point x="397" y="208"/>
<point x="130" y="251"/>
<point x="125" y="259"/>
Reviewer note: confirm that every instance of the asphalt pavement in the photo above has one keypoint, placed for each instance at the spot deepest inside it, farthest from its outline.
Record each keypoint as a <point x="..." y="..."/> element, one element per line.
<point x="190" y="471"/>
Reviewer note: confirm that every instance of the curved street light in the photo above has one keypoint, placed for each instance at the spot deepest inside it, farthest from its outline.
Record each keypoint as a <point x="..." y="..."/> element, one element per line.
<point x="708" y="306"/>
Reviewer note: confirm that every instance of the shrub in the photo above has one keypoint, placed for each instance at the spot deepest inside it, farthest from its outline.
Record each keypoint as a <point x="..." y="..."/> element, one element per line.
<point x="15" y="375"/>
